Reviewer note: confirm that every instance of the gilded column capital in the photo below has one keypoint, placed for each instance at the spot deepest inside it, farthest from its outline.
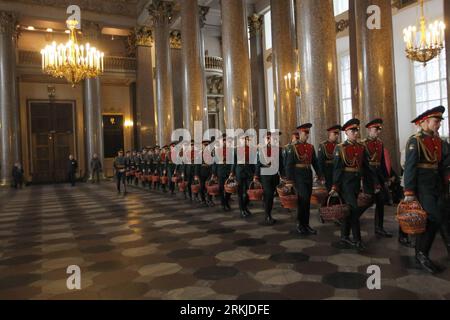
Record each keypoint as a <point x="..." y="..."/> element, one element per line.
<point x="161" y="12"/>
<point x="143" y="36"/>
<point x="203" y="11"/>
<point x="255" y="23"/>
<point x="175" y="39"/>
<point x="8" y="21"/>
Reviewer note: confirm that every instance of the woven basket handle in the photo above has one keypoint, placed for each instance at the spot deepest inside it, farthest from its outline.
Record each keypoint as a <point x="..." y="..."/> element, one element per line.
<point x="329" y="198"/>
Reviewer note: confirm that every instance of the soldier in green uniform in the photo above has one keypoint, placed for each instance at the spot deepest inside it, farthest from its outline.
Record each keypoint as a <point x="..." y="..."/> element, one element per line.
<point x="423" y="180"/>
<point x="189" y="170"/>
<point x="301" y="157"/>
<point x="128" y="166"/>
<point x="377" y="162"/>
<point x="223" y="170"/>
<point x="289" y="147"/>
<point x="269" y="181"/>
<point x="203" y="172"/>
<point x="243" y="169"/>
<point x="171" y="168"/>
<point x="157" y="165"/>
<point x="163" y="170"/>
<point x="445" y="198"/>
<point x="120" y="165"/>
<point x="351" y="164"/>
<point x="325" y="155"/>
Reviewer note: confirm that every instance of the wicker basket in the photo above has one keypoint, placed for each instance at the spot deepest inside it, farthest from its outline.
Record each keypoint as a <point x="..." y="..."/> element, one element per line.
<point x="182" y="186"/>
<point x="411" y="217"/>
<point x="212" y="187"/>
<point x="365" y="200"/>
<point x="175" y="179"/>
<point x="255" y="191"/>
<point x="195" y="187"/>
<point x="130" y="173"/>
<point x="289" y="201"/>
<point x="231" y="186"/>
<point x="334" y="212"/>
<point x="164" y="180"/>
<point x="319" y="195"/>
<point x="156" y="178"/>
<point x="283" y="190"/>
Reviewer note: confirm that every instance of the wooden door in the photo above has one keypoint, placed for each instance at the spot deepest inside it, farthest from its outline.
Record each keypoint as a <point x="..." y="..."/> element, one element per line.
<point x="52" y="140"/>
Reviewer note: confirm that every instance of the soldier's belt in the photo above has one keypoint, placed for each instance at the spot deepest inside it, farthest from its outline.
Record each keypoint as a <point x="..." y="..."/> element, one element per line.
<point x="205" y="165"/>
<point x="329" y="162"/>
<point x="120" y="167"/>
<point x="348" y="169"/>
<point x="375" y="164"/>
<point x="303" y="166"/>
<point x="427" y="166"/>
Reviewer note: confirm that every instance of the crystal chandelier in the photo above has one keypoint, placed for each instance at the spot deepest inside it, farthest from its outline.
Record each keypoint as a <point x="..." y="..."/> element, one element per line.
<point x="72" y="61"/>
<point x="426" y="44"/>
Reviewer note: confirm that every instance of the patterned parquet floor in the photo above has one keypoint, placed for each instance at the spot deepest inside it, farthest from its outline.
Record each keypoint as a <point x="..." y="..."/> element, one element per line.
<point x="150" y="245"/>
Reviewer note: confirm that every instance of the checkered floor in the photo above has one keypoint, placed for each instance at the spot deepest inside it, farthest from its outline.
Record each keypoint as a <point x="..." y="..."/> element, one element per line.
<point x="150" y="245"/>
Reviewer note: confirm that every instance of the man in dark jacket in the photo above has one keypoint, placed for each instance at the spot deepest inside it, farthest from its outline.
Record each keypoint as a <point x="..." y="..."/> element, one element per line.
<point x="72" y="167"/>
<point x="96" y="168"/>
<point x="17" y="174"/>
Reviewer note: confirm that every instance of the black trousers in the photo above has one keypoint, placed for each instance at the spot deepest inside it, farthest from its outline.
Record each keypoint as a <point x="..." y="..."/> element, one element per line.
<point x="121" y="179"/>
<point x="380" y="200"/>
<point x="303" y="185"/>
<point x="72" y="178"/>
<point x="18" y="183"/>
<point x="269" y="185"/>
<point x="224" y="197"/>
<point x="243" y="186"/>
<point x="95" y="176"/>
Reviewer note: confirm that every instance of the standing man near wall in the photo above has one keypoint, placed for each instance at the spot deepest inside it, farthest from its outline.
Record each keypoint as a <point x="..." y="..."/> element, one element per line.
<point x="72" y="170"/>
<point x="96" y="168"/>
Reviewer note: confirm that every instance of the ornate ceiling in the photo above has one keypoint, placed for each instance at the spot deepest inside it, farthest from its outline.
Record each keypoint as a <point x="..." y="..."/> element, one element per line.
<point x="128" y="8"/>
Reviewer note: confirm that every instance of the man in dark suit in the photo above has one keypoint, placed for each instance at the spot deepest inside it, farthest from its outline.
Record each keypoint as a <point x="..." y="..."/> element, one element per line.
<point x="72" y="167"/>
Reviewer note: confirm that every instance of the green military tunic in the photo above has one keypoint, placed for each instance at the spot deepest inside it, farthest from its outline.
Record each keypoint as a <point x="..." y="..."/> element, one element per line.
<point x="351" y="164"/>
<point x="300" y="158"/>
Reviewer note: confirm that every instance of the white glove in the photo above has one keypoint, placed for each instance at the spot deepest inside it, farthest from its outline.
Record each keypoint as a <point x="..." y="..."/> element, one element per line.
<point x="334" y="193"/>
<point x="410" y="198"/>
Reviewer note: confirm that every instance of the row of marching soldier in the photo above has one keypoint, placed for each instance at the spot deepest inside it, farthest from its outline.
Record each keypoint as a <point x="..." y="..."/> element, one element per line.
<point x="354" y="174"/>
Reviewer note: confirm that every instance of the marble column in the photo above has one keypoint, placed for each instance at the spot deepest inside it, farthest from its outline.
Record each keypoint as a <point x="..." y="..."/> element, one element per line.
<point x="145" y="102"/>
<point x="375" y="61"/>
<point x="316" y="36"/>
<point x="177" y="77"/>
<point x="93" y="128"/>
<point x="9" y="112"/>
<point x="257" y="66"/>
<point x="238" y="108"/>
<point x="284" y="61"/>
<point x="447" y="50"/>
<point x="192" y="19"/>
<point x="161" y="14"/>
